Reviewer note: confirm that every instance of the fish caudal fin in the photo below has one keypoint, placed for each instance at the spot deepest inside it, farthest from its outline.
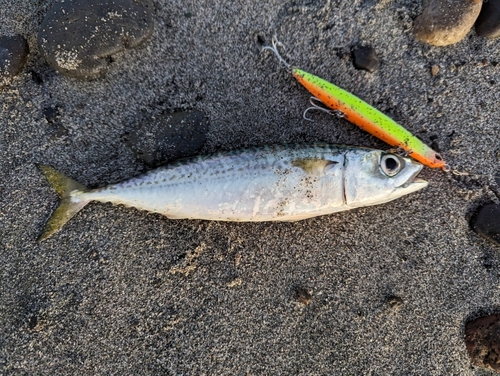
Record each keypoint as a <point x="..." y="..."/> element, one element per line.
<point x="68" y="206"/>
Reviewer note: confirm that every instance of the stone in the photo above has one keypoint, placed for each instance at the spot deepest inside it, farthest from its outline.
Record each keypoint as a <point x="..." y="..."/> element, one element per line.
<point x="14" y="52"/>
<point x="434" y="70"/>
<point x="52" y="114"/>
<point x="445" y="22"/>
<point x="168" y="137"/>
<point x="302" y="295"/>
<point x="482" y="339"/>
<point x="80" y="38"/>
<point x="486" y="222"/>
<point x="488" y="22"/>
<point x="365" y="57"/>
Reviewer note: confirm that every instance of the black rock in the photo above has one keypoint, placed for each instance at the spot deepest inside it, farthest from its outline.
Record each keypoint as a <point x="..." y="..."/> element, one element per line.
<point x="488" y="22"/>
<point x="14" y="52"/>
<point x="80" y="38"/>
<point x="32" y="322"/>
<point x="486" y="222"/>
<point x="51" y="114"/>
<point x="365" y="57"/>
<point x="482" y="339"/>
<point x="435" y="146"/>
<point x="168" y="136"/>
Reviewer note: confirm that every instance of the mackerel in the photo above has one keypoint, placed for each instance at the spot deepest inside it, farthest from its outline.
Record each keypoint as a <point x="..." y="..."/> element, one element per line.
<point x="270" y="183"/>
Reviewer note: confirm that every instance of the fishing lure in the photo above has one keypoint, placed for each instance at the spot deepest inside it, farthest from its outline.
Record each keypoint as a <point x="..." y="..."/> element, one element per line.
<point x="364" y="115"/>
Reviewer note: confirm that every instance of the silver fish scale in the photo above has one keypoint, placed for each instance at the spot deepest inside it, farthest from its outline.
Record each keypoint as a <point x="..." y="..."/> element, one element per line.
<point x="280" y="182"/>
<point x="271" y="183"/>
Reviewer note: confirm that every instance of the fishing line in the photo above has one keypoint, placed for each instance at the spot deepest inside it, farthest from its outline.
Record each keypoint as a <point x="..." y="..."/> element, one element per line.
<point x="456" y="172"/>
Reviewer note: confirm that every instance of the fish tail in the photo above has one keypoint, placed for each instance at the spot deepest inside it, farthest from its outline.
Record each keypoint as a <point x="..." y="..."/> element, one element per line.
<point x="68" y="206"/>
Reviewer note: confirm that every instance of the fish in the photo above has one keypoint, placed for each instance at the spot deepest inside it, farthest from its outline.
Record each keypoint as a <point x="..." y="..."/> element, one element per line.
<point x="269" y="183"/>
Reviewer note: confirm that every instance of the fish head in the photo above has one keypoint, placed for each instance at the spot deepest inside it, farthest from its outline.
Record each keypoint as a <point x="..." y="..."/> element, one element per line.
<point x="374" y="177"/>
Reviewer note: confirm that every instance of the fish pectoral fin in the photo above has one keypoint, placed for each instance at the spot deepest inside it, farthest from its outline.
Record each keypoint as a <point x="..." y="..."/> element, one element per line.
<point x="314" y="165"/>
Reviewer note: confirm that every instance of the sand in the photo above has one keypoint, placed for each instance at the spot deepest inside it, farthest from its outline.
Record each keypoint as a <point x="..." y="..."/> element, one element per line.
<point x="119" y="291"/>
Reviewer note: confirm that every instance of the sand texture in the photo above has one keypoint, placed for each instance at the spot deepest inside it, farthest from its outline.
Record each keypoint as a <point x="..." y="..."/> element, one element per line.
<point x="373" y="291"/>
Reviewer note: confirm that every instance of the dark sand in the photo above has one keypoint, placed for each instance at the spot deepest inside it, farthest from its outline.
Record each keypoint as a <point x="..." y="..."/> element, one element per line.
<point x="119" y="291"/>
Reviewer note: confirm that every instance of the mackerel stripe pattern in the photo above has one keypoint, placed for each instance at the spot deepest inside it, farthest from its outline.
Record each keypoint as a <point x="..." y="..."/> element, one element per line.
<point x="271" y="183"/>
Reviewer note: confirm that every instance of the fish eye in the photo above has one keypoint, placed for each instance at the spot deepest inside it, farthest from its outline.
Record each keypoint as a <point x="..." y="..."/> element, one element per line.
<point x="390" y="164"/>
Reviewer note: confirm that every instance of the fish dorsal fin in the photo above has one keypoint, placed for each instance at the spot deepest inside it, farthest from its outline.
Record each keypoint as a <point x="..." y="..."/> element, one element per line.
<point x="314" y="165"/>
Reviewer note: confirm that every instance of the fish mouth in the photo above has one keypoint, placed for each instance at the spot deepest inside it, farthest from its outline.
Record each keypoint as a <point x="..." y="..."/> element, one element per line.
<point x="417" y="183"/>
<point x="413" y="183"/>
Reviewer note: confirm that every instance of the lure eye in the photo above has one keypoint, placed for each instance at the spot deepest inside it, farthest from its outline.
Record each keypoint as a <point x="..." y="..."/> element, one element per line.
<point x="390" y="165"/>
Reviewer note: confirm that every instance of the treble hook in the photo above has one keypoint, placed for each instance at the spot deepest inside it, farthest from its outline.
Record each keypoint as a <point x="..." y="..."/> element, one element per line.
<point x="315" y="106"/>
<point x="275" y="43"/>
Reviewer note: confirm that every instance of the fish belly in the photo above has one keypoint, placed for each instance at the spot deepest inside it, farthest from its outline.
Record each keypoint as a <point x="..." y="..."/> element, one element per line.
<point x="270" y="184"/>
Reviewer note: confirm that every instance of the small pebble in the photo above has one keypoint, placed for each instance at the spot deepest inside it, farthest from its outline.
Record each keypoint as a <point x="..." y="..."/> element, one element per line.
<point x="445" y="22"/>
<point x="488" y="22"/>
<point x="80" y="38"/>
<point x="237" y="259"/>
<point x="303" y="296"/>
<point x="434" y="70"/>
<point x="486" y="222"/>
<point x="235" y="282"/>
<point x="51" y="114"/>
<point x="365" y="57"/>
<point x="395" y="302"/>
<point x="168" y="136"/>
<point x="482" y="339"/>
<point x="14" y="52"/>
